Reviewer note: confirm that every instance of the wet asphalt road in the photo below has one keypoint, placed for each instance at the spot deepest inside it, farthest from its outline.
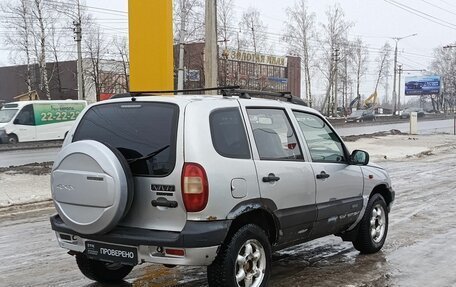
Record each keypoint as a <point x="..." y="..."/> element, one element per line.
<point x="420" y="249"/>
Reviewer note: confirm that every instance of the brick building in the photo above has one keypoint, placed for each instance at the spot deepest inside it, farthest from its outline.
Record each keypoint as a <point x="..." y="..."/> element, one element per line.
<point x="242" y="68"/>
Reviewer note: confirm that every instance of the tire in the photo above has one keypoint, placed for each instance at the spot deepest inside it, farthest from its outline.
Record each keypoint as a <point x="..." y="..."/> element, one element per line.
<point x="248" y="242"/>
<point x="12" y="139"/>
<point x="373" y="228"/>
<point x="103" y="272"/>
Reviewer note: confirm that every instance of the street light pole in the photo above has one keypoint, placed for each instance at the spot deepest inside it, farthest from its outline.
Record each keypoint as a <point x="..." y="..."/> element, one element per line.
<point x="395" y="100"/>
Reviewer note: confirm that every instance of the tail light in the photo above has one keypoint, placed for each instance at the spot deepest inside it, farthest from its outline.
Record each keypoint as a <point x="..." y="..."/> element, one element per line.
<point x="195" y="189"/>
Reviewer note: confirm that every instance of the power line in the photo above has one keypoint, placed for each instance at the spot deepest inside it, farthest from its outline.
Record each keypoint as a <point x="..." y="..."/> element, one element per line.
<point x="438" y="7"/>
<point x="422" y="14"/>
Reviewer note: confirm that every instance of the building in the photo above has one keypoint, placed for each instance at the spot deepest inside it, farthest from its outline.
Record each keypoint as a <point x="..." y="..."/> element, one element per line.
<point x="242" y="68"/>
<point x="101" y="80"/>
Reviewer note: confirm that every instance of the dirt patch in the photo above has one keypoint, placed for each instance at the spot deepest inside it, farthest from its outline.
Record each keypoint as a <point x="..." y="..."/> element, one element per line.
<point x="32" y="168"/>
<point x="378" y="134"/>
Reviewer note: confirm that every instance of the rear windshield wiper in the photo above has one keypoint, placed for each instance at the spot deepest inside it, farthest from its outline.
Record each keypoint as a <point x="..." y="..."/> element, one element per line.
<point x="151" y="155"/>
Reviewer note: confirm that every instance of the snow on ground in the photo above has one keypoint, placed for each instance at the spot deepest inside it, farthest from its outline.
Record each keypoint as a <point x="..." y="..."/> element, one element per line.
<point x="397" y="147"/>
<point x="18" y="188"/>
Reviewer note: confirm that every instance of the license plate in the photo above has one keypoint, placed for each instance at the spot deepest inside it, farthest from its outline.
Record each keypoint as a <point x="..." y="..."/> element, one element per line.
<point x="111" y="253"/>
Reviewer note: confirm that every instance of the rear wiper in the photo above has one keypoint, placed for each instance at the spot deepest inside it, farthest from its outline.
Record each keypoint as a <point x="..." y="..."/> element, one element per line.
<point x="151" y="155"/>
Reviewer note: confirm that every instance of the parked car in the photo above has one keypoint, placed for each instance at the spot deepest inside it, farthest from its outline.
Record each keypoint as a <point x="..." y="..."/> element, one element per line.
<point x="361" y="116"/>
<point x="215" y="181"/>
<point x="406" y="113"/>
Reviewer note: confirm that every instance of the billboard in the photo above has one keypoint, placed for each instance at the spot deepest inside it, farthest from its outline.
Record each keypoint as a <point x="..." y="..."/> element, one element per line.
<point x="422" y="85"/>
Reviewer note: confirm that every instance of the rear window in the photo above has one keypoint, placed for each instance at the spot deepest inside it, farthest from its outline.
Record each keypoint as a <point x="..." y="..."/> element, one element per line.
<point x="137" y="130"/>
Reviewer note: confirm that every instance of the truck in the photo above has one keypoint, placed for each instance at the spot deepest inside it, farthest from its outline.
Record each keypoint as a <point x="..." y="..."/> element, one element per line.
<point x="27" y="121"/>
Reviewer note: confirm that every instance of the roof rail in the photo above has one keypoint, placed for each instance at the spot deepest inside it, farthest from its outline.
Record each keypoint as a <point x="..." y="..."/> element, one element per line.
<point x="136" y="94"/>
<point x="248" y="94"/>
<point x="227" y="92"/>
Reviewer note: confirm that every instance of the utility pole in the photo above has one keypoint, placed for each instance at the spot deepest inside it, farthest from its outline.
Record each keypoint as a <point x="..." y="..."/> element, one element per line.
<point x="397" y="39"/>
<point x="336" y="60"/>
<point x="78" y="38"/>
<point x="399" y="70"/>
<point x="180" y="71"/>
<point x="210" y="50"/>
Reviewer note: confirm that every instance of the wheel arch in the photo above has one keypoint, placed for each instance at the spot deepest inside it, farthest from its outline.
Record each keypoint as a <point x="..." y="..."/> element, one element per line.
<point x="259" y="212"/>
<point x="14" y="135"/>
<point x="384" y="191"/>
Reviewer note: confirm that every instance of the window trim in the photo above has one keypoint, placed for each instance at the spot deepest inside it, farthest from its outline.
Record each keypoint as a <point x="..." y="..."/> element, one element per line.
<point x="344" y="147"/>
<point x="243" y="126"/>
<point x="174" y="136"/>
<point x="247" y="108"/>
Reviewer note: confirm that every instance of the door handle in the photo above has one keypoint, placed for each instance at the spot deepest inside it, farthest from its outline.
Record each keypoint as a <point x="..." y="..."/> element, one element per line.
<point x="322" y="175"/>
<point x="271" y="178"/>
<point x="163" y="202"/>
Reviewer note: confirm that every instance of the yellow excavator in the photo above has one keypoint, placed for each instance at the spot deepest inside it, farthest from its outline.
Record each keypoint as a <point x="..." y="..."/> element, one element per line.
<point x="367" y="104"/>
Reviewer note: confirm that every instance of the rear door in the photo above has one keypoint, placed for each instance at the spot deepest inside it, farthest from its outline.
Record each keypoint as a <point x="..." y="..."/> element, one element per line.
<point x="339" y="184"/>
<point x="138" y="129"/>
<point x="283" y="175"/>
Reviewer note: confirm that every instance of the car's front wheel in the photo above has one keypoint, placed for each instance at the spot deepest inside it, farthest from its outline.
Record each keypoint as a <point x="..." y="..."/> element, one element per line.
<point x="243" y="261"/>
<point x="373" y="228"/>
<point x="103" y="272"/>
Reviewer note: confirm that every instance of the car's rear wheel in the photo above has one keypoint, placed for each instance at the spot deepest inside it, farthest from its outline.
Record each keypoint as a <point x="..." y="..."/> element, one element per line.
<point x="373" y="228"/>
<point x="243" y="261"/>
<point x="103" y="272"/>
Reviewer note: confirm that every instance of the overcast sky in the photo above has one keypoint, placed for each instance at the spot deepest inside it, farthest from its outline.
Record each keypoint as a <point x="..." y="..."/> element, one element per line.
<point x="375" y="21"/>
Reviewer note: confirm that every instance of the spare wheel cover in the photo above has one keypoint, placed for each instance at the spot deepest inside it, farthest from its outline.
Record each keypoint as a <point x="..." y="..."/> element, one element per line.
<point x="91" y="186"/>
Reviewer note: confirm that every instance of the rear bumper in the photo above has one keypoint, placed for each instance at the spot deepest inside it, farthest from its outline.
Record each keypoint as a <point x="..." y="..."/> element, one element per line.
<point x="200" y="241"/>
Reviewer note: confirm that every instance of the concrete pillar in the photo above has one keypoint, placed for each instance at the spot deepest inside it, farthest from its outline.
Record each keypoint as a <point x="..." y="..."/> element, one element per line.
<point x="413" y="123"/>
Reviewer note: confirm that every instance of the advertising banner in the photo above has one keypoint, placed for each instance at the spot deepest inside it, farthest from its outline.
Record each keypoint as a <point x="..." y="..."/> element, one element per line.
<point x="422" y="85"/>
<point x="56" y="113"/>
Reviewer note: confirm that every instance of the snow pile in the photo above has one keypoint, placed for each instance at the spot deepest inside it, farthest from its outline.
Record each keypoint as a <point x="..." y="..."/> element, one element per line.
<point x="396" y="147"/>
<point x="23" y="188"/>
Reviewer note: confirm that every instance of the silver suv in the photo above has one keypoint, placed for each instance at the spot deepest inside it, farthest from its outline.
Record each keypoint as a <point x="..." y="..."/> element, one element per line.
<point x="217" y="181"/>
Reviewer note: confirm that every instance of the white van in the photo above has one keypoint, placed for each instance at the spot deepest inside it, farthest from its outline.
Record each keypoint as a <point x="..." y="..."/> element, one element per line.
<point x="38" y="120"/>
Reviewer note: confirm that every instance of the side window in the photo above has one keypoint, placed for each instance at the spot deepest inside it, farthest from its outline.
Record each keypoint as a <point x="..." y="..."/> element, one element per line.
<point x="274" y="136"/>
<point x="228" y="133"/>
<point x="323" y="143"/>
<point x="25" y="116"/>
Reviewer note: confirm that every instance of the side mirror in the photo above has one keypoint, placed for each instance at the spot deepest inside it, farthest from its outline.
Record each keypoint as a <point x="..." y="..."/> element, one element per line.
<point x="359" y="157"/>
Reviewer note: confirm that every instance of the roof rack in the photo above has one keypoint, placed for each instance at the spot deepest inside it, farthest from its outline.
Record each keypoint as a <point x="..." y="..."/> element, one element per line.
<point x="136" y="94"/>
<point x="227" y="92"/>
<point x="248" y="94"/>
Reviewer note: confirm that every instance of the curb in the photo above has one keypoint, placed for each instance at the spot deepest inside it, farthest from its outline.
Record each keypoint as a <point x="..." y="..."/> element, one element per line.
<point x="30" y="146"/>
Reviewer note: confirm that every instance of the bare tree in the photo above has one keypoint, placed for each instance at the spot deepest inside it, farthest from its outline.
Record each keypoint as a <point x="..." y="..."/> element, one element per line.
<point x="19" y="22"/>
<point x="192" y="14"/>
<point x="444" y="64"/>
<point x="95" y="47"/>
<point x="384" y="60"/>
<point x="300" y="31"/>
<point x="334" y="33"/>
<point x="254" y="31"/>
<point x="225" y="21"/>
<point x="42" y="18"/>
<point x="360" y="58"/>
<point x="122" y="52"/>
